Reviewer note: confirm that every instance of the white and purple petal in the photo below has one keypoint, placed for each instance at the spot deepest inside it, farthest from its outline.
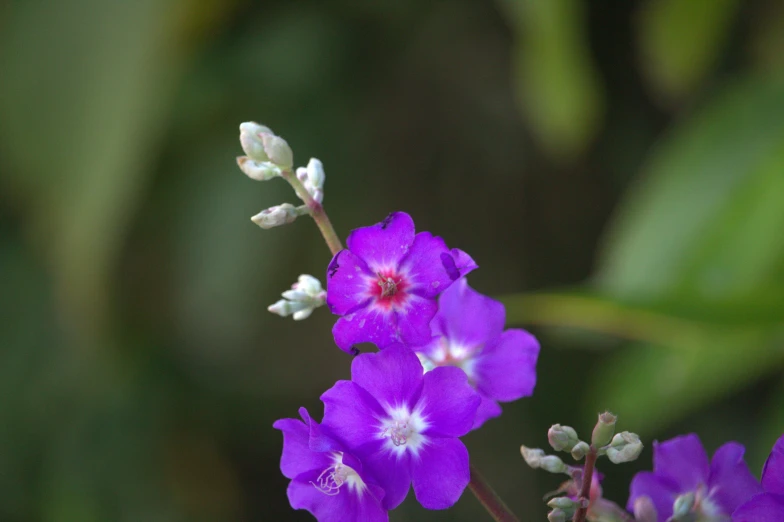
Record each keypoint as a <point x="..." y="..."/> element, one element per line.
<point x="393" y="376"/>
<point x="351" y="503"/>
<point x="351" y="414"/>
<point x="448" y="403"/>
<point x="662" y="492"/>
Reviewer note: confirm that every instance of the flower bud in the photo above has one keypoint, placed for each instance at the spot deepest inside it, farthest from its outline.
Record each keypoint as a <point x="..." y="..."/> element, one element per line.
<point x="682" y="506"/>
<point x="276" y="216"/>
<point x="258" y="170"/>
<point x="557" y="515"/>
<point x="553" y="464"/>
<point x="625" y="447"/>
<point x="604" y="429"/>
<point x="532" y="456"/>
<point x="315" y="172"/>
<point x="250" y="139"/>
<point x="562" y="438"/>
<point x="278" y="150"/>
<point x="305" y="296"/>
<point x="580" y="450"/>
<point x="564" y="503"/>
<point x="644" y="510"/>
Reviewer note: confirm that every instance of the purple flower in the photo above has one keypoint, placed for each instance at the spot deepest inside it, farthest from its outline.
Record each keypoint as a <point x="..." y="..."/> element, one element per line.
<point x="767" y="506"/>
<point x="385" y="284"/>
<point x="469" y="333"/>
<point x="404" y="424"/>
<point x="325" y="479"/>
<point x="681" y="466"/>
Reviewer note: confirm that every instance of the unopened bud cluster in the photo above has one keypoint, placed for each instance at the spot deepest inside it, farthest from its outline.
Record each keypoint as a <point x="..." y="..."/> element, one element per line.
<point x="268" y="156"/>
<point x="305" y="296"/>
<point x="620" y="447"/>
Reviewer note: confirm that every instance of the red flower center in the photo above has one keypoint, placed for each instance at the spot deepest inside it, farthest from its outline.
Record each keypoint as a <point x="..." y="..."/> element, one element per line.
<point x="389" y="289"/>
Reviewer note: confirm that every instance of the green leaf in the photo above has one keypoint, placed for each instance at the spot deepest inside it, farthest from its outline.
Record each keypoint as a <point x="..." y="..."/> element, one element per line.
<point x="703" y="225"/>
<point x="557" y="84"/>
<point x="704" y="218"/>
<point x="681" y="40"/>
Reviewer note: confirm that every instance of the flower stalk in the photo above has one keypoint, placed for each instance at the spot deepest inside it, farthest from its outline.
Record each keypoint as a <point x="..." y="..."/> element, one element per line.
<point x="585" y="490"/>
<point x="489" y="498"/>
<point x="316" y="212"/>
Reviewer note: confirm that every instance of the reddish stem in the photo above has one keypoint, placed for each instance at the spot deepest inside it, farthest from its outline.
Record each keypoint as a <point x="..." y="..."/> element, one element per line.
<point x="489" y="498"/>
<point x="585" y="490"/>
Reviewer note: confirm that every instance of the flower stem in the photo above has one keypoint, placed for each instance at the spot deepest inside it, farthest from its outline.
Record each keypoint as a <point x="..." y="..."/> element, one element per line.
<point x="489" y="498"/>
<point x="316" y="212"/>
<point x="585" y="490"/>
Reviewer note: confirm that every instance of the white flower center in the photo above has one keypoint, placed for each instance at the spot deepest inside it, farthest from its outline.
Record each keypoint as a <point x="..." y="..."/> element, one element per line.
<point x="403" y="430"/>
<point x="450" y="354"/>
<point x="334" y="477"/>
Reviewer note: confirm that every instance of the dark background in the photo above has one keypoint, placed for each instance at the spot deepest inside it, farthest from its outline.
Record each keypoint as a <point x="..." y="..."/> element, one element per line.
<point x="616" y="168"/>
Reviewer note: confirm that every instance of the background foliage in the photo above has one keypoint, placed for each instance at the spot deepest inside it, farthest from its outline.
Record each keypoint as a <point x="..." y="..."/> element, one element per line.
<point x="616" y="168"/>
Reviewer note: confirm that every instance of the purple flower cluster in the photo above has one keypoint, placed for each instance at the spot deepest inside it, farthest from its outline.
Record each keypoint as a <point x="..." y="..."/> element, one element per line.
<point x="443" y="365"/>
<point x="720" y="489"/>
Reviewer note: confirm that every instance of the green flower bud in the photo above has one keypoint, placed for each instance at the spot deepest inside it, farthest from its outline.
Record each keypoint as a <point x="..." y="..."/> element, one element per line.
<point x="580" y="450"/>
<point x="564" y="503"/>
<point x="557" y="515"/>
<point x="532" y="456"/>
<point x="278" y="150"/>
<point x="625" y="447"/>
<point x="552" y="464"/>
<point x="276" y="216"/>
<point x="250" y="139"/>
<point x="604" y="429"/>
<point x="258" y="170"/>
<point x="562" y="438"/>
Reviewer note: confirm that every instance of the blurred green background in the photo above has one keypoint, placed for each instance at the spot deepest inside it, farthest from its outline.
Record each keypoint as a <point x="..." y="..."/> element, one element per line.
<point x="616" y="169"/>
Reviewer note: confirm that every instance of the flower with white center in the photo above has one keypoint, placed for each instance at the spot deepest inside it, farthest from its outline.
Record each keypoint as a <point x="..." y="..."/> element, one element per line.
<point x="326" y="479"/>
<point x="468" y="332"/>
<point x="305" y="296"/>
<point x="404" y="424"/>
<point x="681" y="468"/>
<point x="385" y="284"/>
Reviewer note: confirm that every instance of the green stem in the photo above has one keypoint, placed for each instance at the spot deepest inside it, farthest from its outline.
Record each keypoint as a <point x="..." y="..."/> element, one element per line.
<point x="316" y="212"/>
<point x="489" y="498"/>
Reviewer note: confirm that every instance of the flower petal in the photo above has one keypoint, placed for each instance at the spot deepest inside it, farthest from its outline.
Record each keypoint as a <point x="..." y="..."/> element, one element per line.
<point x="488" y="409"/>
<point x="348" y="283"/>
<point x="392" y="376"/>
<point x="660" y="490"/>
<point x="448" y="403"/>
<point x="765" y="507"/>
<point x="366" y="325"/>
<point x="384" y="244"/>
<point x="297" y="456"/>
<point x="425" y="270"/>
<point x="773" y="471"/>
<point x="683" y="460"/>
<point x="440" y="473"/>
<point x="467" y="317"/>
<point x="413" y="322"/>
<point x="462" y="262"/>
<point x="391" y="470"/>
<point x="506" y="369"/>
<point x="346" y="506"/>
<point x="730" y="480"/>
<point x="351" y="414"/>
